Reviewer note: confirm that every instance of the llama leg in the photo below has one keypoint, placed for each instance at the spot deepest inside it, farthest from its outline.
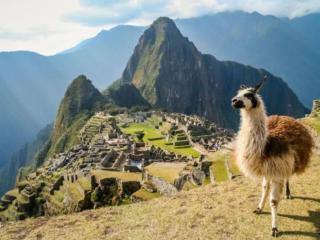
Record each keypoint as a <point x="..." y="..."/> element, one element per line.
<point x="288" y="194"/>
<point x="265" y="192"/>
<point x="275" y="196"/>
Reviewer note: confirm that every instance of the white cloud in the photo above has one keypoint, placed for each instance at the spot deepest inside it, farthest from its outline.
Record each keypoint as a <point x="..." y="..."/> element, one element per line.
<point x="49" y="26"/>
<point x="39" y="25"/>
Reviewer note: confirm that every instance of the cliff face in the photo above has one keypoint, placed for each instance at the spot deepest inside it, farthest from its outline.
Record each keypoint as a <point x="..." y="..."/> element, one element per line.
<point x="171" y="73"/>
<point x="125" y="94"/>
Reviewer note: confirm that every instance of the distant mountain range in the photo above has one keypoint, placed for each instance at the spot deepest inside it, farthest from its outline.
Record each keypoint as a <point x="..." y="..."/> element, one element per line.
<point x="31" y="85"/>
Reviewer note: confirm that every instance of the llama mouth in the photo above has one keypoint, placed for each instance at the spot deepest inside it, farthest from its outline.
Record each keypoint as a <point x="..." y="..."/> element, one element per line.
<point x="238" y="104"/>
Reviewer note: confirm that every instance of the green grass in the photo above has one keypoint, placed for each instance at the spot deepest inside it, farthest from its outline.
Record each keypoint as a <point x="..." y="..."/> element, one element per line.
<point x="145" y="195"/>
<point x="220" y="171"/>
<point x="218" y="167"/>
<point x="167" y="171"/>
<point x="151" y="132"/>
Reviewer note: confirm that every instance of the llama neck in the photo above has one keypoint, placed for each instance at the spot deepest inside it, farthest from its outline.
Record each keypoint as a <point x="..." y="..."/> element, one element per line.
<point x="253" y="132"/>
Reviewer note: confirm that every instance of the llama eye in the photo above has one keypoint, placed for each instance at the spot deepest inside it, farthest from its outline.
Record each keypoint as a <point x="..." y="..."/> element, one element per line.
<point x="248" y="95"/>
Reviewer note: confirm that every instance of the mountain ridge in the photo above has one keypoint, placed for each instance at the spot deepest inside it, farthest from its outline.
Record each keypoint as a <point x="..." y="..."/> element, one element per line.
<point x="171" y="73"/>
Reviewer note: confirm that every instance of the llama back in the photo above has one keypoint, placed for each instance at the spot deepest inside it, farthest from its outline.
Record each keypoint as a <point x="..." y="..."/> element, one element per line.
<point x="287" y="133"/>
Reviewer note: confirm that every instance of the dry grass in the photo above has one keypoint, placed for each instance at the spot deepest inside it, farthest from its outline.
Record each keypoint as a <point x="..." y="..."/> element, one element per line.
<point x="220" y="211"/>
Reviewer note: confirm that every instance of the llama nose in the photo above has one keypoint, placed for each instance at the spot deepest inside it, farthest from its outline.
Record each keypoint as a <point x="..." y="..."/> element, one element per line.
<point x="234" y="100"/>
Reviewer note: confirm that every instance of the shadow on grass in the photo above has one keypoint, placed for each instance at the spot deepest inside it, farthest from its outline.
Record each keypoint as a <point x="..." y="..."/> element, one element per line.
<point x="313" y="217"/>
<point x="308" y="199"/>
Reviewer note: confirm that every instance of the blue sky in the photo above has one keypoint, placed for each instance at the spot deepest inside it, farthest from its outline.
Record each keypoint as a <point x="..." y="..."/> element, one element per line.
<point x="50" y="26"/>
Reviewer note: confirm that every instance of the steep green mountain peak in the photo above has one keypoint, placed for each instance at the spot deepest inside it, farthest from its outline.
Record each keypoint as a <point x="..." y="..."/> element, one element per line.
<point x="81" y="96"/>
<point x="80" y="101"/>
<point x="161" y="45"/>
<point x="170" y="73"/>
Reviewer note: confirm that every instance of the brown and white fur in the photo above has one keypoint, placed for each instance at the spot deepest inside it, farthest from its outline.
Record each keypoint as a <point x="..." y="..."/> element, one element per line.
<point x="272" y="148"/>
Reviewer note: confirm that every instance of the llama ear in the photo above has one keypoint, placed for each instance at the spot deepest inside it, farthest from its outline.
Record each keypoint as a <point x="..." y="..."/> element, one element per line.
<point x="259" y="86"/>
<point x="243" y="86"/>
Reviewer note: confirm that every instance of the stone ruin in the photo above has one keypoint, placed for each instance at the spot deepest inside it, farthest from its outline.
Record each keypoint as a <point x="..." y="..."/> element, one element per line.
<point x="315" y="108"/>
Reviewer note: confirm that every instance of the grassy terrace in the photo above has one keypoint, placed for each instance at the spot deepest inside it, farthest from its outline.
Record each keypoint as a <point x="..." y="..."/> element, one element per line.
<point x="151" y="132"/>
<point x="145" y="195"/>
<point x="125" y="176"/>
<point x="218" y="167"/>
<point x="167" y="171"/>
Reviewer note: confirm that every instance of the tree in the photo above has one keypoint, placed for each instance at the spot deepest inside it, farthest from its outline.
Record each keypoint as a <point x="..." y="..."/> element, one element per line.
<point x="140" y="135"/>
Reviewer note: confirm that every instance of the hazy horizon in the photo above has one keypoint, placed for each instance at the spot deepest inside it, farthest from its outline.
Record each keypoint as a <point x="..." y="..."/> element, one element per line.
<point x="48" y="27"/>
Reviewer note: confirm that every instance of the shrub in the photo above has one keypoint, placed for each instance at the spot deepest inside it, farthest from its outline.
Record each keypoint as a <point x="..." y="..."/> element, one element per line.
<point x="140" y="135"/>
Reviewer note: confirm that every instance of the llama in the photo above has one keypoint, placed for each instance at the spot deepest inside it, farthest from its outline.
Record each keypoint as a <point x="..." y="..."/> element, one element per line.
<point x="272" y="148"/>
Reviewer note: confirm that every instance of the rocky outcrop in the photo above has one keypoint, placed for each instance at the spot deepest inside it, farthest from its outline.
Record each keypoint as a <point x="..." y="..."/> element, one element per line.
<point x="163" y="187"/>
<point x="197" y="176"/>
<point x="315" y="112"/>
<point x="125" y="94"/>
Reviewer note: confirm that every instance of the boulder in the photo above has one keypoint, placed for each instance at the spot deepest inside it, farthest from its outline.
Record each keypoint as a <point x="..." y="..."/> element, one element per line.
<point x="197" y="176"/>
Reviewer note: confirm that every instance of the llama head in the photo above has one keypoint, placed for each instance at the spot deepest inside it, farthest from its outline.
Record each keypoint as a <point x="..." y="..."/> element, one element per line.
<point x="248" y="97"/>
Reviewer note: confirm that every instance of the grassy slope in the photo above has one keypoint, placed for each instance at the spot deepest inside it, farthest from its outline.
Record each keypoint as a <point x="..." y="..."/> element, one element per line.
<point x="222" y="211"/>
<point x="151" y="132"/>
